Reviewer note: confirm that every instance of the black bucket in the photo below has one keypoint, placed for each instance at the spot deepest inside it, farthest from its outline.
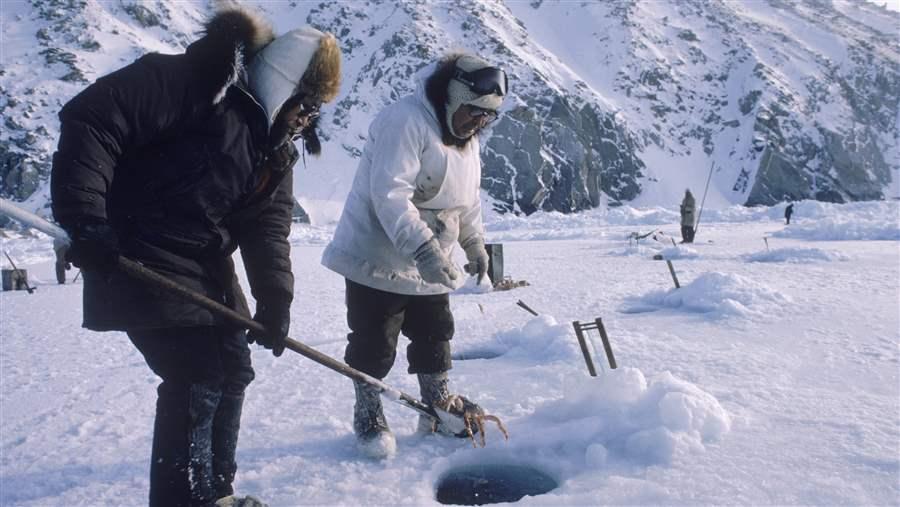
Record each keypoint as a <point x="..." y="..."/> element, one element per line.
<point x="495" y="483"/>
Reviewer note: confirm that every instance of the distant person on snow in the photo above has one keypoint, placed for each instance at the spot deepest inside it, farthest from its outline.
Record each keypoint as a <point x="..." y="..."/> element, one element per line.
<point x="688" y="216"/>
<point x="416" y="194"/>
<point x="788" y="211"/>
<point x="175" y="161"/>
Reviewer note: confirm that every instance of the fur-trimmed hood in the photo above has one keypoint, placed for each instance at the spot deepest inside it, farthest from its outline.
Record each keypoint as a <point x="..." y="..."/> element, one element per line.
<point x="232" y="37"/>
<point x="303" y="61"/>
<point x="237" y="42"/>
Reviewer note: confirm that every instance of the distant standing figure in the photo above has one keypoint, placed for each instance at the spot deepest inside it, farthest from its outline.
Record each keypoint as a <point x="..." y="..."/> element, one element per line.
<point x="688" y="216"/>
<point x="61" y="248"/>
<point x="788" y="211"/>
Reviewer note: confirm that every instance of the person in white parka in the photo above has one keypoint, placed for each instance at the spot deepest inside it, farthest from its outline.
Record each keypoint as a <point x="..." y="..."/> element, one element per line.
<point x="415" y="196"/>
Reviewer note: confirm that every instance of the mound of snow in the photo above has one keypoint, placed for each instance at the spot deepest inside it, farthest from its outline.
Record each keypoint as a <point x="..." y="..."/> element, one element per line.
<point x="678" y="252"/>
<point x="716" y="294"/>
<point x="471" y="286"/>
<point x="619" y="415"/>
<point x="795" y="255"/>
<point x="844" y="229"/>
<point x="540" y="340"/>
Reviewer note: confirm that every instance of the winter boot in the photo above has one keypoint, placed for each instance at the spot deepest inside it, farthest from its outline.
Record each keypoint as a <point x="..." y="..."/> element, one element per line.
<point x="240" y="501"/>
<point x="373" y="437"/>
<point x="435" y="387"/>
<point x="226" y="425"/>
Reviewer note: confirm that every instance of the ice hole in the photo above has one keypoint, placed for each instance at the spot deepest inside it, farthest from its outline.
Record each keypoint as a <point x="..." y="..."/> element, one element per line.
<point x="491" y="483"/>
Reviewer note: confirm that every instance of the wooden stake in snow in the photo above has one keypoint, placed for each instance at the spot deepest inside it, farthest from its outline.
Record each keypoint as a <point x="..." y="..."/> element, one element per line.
<point x="672" y="270"/>
<point x="584" y="348"/>
<point x="582" y="341"/>
<point x="526" y="307"/>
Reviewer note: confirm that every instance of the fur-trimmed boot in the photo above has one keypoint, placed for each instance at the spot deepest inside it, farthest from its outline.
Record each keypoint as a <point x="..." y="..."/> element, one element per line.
<point x="373" y="436"/>
<point x="434" y="387"/>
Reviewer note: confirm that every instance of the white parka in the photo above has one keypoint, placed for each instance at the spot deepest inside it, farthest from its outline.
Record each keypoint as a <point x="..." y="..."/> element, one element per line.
<point x="409" y="187"/>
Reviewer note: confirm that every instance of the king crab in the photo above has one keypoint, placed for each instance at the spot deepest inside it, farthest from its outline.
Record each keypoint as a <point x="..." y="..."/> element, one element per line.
<point x="472" y="415"/>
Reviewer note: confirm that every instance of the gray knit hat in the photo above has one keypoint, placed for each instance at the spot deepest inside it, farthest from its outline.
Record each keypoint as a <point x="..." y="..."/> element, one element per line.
<point x="459" y="94"/>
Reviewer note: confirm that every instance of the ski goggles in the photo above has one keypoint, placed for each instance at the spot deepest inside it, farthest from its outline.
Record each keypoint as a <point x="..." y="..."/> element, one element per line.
<point x="484" y="81"/>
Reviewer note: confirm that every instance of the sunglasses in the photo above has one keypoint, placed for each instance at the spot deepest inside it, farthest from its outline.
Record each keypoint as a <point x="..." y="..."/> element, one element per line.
<point x="306" y="112"/>
<point x="309" y="110"/>
<point x="478" y="113"/>
<point x="489" y="80"/>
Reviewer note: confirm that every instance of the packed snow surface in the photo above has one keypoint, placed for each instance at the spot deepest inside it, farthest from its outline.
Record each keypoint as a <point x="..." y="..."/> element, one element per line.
<point x="769" y="377"/>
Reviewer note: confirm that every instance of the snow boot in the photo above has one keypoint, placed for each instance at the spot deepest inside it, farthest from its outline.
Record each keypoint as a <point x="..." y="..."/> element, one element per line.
<point x="434" y="387"/>
<point x="373" y="436"/>
<point x="240" y="501"/>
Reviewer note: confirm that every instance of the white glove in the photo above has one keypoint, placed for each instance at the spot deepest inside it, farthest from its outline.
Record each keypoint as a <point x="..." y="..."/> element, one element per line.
<point x="477" y="257"/>
<point x="433" y="265"/>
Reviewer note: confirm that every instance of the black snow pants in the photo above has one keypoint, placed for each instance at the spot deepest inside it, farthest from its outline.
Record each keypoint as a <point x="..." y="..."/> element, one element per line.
<point x="687" y="234"/>
<point x="376" y="319"/>
<point x="204" y="372"/>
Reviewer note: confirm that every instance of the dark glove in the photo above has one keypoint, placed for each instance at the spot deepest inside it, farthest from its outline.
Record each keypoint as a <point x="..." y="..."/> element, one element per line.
<point x="95" y="245"/>
<point x="276" y="318"/>
<point x="283" y="156"/>
<point x="477" y="257"/>
<point x="433" y="265"/>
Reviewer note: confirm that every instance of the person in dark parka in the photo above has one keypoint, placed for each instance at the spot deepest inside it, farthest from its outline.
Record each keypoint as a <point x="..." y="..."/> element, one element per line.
<point x="788" y="211"/>
<point x="175" y="161"/>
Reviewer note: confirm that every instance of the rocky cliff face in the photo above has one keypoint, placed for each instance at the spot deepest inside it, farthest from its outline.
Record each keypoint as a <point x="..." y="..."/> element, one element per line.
<point x="611" y="102"/>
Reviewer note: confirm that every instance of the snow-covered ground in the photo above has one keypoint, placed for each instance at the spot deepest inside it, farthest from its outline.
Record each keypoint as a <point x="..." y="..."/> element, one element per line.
<point x="770" y="377"/>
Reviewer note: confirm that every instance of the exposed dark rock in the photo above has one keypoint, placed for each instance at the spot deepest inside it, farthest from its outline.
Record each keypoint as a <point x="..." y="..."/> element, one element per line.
<point x="560" y="162"/>
<point x="143" y="15"/>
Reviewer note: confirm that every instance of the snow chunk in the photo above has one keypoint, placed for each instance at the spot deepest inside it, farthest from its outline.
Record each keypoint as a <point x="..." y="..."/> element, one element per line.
<point x="834" y="228"/>
<point x="471" y="285"/>
<point x="678" y="252"/>
<point x="717" y="294"/>
<point x="306" y="235"/>
<point x="541" y="339"/>
<point x="621" y="415"/>
<point x="795" y="255"/>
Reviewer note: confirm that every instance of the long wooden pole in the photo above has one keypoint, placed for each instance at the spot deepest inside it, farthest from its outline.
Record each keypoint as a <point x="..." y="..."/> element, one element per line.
<point x="139" y="272"/>
<point x="702" y="202"/>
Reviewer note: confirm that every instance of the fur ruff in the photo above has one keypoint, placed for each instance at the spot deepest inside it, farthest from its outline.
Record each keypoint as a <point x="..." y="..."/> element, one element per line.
<point x="322" y="78"/>
<point x="231" y="37"/>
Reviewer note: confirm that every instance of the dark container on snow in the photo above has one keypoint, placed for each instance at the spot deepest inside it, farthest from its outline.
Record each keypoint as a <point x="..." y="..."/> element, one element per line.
<point x="495" y="266"/>
<point x="15" y="279"/>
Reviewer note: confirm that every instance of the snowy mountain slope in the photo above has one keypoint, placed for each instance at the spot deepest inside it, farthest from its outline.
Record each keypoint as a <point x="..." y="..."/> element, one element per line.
<point x="611" y="101"/>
